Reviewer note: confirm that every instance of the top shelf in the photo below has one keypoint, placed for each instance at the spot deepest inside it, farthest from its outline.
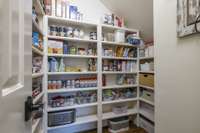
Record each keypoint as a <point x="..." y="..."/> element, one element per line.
<point x="70" y="21"/>
<point x="118" y="43"/>
<point x="111" y="27"/>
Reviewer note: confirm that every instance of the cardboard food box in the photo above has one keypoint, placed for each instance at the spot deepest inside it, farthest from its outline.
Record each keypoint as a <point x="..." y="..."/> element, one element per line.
<point x="55" y="47"/>
<point x="147" y="79"/>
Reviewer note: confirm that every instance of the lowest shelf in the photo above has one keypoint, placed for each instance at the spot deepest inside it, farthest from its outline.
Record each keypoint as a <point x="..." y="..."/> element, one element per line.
<point x="79" y="120"/>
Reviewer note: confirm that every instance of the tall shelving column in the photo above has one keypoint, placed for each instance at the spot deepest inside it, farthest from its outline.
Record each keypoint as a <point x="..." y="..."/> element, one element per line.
<point x="83" y="119"/>
<point x="99" y="109"/>
<point x="37" y="26"/>
<point x="131" y="110"/>
<point x="45" y="22"/>
<point x="146" y="92"/>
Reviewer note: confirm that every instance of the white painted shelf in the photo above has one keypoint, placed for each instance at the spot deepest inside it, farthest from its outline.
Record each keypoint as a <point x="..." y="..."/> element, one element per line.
<point x="37" y="75"/>
<point x="120" y="101"/>
<point x="150" y="72"/>
<point x="71" y="90"/>
<point x="71" y="21"/>
<point x="146" y="101"/>
<point x="50" y="109"/>
<point x="72" y="39"/>
<point x="118" y="72"/>
<point x="111" y="27"/>
<point x="71" y="56"/>
<point x="70" y="73"/>
<point x="79" y="120"/>
<point x="118" y="58"/>
<point x="119" y="86"/>
<point x="110" y="115"/>
<point x="37" y="51"/>
<point x="146" y="87"/>
<point x="36" y="27"/>
<point x="146" y="58"/>
<point x="38" y="7"/>
<point x="41" y="131"/>
<point x="117" y="44"/>
<point x="146" y="114"/>
<point x="35" y="125"/>
<point x="38" y="97"/>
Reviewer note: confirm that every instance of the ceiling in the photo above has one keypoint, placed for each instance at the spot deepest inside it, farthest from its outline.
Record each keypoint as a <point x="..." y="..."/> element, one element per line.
<point x="138" y="14"/>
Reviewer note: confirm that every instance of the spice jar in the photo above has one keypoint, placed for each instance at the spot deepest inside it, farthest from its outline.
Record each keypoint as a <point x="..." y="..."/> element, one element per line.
<point x="81" y="34"/>
<point x="59" y="30"/>
<point x="76" y="33"/>
<point x="62" y="32"/>
<point x="69" y="32"/>
<point x="77" y="83"/>
<point x="52" y="30"/>
<point x="49" y="85"/>
<point x="93" y="35"/>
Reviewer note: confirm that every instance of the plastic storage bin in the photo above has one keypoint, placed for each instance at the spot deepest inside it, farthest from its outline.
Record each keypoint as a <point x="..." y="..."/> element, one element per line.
<point x="147" y="126"/>
<point x="148" y="95"/>
<point x="120" y="109"/>
<point x="118" y="125"/>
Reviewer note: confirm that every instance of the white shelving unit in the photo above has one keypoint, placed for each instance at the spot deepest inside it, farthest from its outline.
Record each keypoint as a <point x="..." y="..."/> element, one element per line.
<point x="72" y="90"/>
<point x="119" y="86"/>
<point x="146" y="87"/>
<point x="116" y="43"/>
<point x="37" y="51"/>
<point x="72" y="39"/>
<point x="100" y="115"/>
<point x="120" y="101"/>
<point x="147" y="101"/>
<point x="50" y="109"/>
<point x="35" y="125"/>
<point x="38" y="97"/>
<point x="151" y="72"/>
<point x="110" y="115"/>
<point x="147" y="113"/>
<point x="146" y="58"/>
<point x="71" y="56"/>
<point x="118" y="58"/>
<point x="118" y="72"/>
<point x="70" y="73"/>
<point x="38" y="125"/>
<point x="36" y="75"/>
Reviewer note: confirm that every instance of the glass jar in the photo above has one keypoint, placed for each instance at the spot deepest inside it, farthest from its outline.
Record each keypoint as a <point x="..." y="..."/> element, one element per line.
<point x="76" y="33"/>
<point x="69" y="32"/>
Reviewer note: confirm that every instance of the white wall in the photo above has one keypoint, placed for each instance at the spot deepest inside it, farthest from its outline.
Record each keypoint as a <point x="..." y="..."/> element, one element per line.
<point x="137" y="13"/>
<point x="177" y="74"/>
